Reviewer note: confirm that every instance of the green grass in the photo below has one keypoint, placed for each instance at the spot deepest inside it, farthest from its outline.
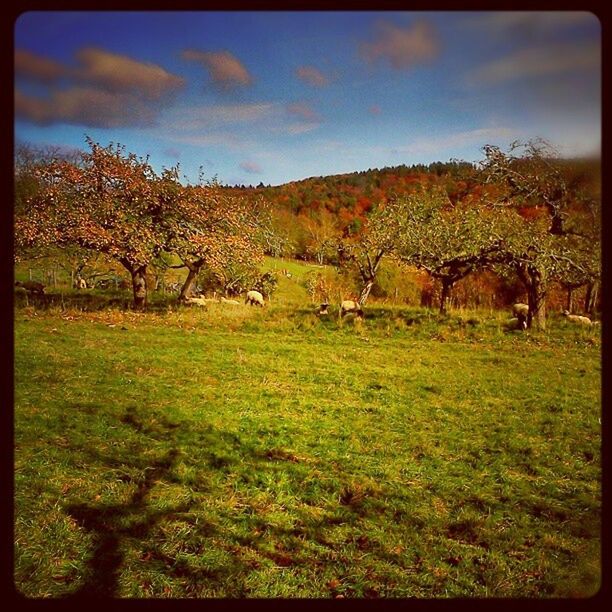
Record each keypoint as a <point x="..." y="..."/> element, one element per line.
<point x="231" y="451"/>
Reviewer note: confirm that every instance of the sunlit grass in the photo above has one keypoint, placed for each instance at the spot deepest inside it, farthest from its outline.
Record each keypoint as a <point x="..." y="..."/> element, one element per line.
<point x="231" y="451"/>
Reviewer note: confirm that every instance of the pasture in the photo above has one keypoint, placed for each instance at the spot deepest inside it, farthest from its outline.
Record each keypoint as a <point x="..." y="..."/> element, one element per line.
<point x="230" y="451"/>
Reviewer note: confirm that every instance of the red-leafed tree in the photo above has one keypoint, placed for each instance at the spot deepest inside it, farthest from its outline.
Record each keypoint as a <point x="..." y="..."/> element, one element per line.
<point x="109" y="201"/>
<point x="220" y="233"/>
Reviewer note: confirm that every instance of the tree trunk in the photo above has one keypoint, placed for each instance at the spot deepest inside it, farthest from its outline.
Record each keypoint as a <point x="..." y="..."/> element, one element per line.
<point x="590" y="298"/>
<point x="569" y="304"/>
<point x="447" y="285"/>
<point x="186" y="289"/>
<point x="139" y="285"/>
<point x="536" y="288"/>
<point x="536" y="298"/>
<point x="365" y="292"/>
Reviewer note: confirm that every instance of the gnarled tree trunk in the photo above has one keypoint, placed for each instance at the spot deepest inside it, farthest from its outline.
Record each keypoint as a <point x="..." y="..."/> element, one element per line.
<point x="447" y="286"/>
<point x="139" y="282"/>
<point x="194" y="268"/>
<point x="590" y="298"/>
<point x="139" y="286"/>
<point x="536" y="287"/>
<point x="365" y="292"/>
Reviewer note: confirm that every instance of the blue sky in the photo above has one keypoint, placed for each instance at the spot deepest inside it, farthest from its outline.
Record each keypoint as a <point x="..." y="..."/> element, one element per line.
<point x="278" y="96"/>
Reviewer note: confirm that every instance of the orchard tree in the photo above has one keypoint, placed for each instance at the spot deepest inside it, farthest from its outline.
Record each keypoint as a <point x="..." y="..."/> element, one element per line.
<point x="322" y="232"/>
<point x="447" y="241"/>
<point x="364" y="249"/>
<point x="110" y="202"/>
<point x="550" y="242"/>
<point x="531" y="175"/>
<point x="218" y="232"/>
<point x="32" y="239"/>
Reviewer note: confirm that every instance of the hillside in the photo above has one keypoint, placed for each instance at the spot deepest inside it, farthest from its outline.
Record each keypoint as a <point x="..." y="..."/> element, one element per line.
<point x="351" y="196"/>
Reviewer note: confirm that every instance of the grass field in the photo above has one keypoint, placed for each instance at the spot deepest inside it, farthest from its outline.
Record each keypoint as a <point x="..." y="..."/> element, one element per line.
<point x="238" y="452"/>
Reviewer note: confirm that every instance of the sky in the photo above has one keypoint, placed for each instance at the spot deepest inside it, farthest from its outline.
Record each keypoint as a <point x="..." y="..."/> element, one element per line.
<point x="273" y="97"/>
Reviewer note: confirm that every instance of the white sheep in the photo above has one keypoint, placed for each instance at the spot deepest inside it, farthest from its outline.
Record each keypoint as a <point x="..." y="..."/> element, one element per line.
<point x="226" y="301"/>
<point x="197" y="301"/>
<point x="348" y="306"/>
<point x="516" y="323"/>
<point x="81" y="283"/>
<point x="254" y="298"/>
<point x="577" y="318"/>
<point x="520" y="309"/>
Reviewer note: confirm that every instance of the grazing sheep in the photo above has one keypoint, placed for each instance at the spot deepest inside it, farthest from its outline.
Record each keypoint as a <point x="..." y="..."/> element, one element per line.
<point x="348" y="306"/>
<point x="31" y="286"/>
<point x="323" y="309"/>
<point x="520" y="309"/>
<point x="577" y="318"/>
<point x="254" y="298"/>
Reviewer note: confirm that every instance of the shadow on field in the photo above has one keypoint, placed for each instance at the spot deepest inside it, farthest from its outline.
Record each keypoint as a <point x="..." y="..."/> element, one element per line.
<point x="110" y="525"/>
<point x="102" y="522"/>
<point x="214" y="453"/>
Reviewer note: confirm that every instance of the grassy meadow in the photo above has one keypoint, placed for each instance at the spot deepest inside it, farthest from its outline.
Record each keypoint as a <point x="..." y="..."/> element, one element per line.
<point x="231" y="451"/>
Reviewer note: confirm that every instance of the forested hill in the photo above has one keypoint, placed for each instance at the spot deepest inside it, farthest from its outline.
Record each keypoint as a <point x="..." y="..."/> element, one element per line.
<point x="352" y="195"/>
<point x="349" y="197"/>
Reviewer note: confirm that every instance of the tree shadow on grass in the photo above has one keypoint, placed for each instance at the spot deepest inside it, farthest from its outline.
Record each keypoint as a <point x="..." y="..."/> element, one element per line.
<point x="102" y="522"/>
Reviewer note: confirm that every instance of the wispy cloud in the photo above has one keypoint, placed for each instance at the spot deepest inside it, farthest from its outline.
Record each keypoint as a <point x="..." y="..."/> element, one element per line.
<point x="104" y="90"/>
<point x="312" y="76"/>
<point x="527" y="24"/>
<point x="294" y="129"/>
<point x="226" y="70"/>
<point x="537" y="62"/>
<point x="251" y="167"/>
<point x="85" y="106"/>
<point x="403" y="48"/>
<point x="224" y="139"/>
<point x="32" y="66"/>
<point x="213" y="116"/>
<point x="303" y="110"/>
<point x="121" y="73"/>
<point x="430" y="145"/>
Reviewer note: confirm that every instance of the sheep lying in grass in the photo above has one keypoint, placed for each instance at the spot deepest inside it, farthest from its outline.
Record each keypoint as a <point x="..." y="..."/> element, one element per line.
<point x="516" y="323"/>
<point x="577" y="318"/>
<point x="254" y="298"/>
<point x="226" y="301"/>
<point x="520" y="309"/>
<point x="348" y="306"/>
<point x="197" y="301"/>
<point x="31" y="286"/>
